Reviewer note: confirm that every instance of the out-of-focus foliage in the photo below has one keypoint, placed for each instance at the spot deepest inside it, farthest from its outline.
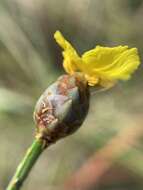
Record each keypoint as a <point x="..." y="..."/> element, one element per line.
<point x="30" y="60"/>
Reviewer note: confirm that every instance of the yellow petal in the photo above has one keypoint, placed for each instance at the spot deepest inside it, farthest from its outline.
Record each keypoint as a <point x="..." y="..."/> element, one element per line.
<point x="72" y="61"/>
<point x="101" y="65"/>
<point x="110" y="64"/>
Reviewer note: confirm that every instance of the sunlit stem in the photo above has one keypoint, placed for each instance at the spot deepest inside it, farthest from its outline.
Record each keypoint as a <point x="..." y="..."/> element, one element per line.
<point x="26" y="165"/>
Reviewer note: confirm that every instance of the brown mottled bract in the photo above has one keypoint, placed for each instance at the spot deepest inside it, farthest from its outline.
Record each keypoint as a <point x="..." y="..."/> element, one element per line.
<point x="62" y="108"/>
<point x="64" y="85"/>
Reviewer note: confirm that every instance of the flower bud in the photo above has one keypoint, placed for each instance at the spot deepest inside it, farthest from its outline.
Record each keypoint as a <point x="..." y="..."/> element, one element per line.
<point x="62" y="108"/>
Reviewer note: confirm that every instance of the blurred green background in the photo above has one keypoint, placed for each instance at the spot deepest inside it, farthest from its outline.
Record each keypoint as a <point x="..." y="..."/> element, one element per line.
<point x="112" y="135"/>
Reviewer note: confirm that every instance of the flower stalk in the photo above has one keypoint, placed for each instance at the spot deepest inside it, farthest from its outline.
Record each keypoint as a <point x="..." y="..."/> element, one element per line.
<point x="26" y="164"/>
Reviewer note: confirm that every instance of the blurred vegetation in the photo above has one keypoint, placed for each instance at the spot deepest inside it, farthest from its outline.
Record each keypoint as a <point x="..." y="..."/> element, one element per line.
<point x="30" y="60"/>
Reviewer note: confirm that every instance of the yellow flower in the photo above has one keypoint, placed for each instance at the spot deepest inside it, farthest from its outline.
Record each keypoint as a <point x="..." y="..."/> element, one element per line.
<point x="101" y="65"/>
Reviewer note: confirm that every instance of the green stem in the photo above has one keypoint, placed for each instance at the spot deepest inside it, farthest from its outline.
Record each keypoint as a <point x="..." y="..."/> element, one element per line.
<point x="26" y="165"/>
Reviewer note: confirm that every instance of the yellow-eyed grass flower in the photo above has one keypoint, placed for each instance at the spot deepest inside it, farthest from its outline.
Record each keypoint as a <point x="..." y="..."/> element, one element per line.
<point x="101" y="65"/>
<point x="62" y="108"/>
